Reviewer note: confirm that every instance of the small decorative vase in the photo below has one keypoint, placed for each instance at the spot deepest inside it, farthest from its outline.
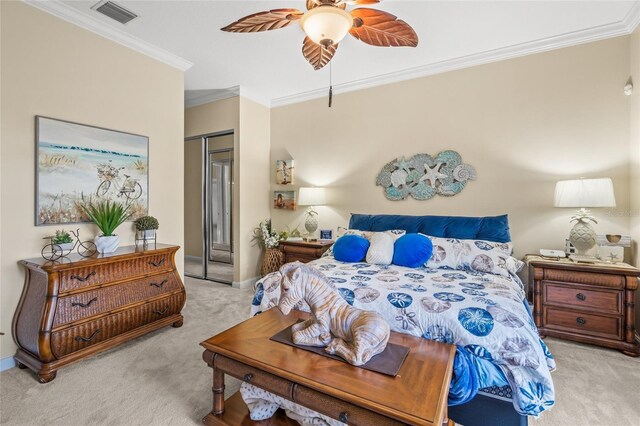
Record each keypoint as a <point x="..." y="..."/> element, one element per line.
<point x="272" y="261"/>
<point x="147" y="234"/>
<point x="583" y="237"/>
<point x="107" y="244"/>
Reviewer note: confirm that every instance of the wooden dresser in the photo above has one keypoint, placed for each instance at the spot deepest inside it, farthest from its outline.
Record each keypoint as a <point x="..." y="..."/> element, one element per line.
<point x="304" y="251"/>
<point x="76" y="307"/>
<point x="588" y="303"/>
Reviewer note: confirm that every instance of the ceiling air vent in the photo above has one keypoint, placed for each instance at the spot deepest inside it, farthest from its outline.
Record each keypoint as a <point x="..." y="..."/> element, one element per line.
<point x="114" y="11"/>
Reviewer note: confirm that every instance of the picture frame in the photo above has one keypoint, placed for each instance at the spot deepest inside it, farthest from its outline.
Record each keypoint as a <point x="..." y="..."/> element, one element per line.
<point x="326" y="234"/>
<point x="285" y="172"/>
<point x="78" y="164"/>
<point x="284" y="200"/>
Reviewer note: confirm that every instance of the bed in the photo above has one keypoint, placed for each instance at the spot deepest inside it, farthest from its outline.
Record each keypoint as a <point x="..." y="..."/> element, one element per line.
<point x="502" y="368"/>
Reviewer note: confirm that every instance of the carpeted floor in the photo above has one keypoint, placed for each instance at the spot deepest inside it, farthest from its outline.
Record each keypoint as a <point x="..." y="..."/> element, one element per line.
<point x="160" y="379"/>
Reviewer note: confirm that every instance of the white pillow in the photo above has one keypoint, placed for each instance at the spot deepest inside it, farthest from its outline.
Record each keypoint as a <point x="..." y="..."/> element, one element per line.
<point x="381" y="249"/>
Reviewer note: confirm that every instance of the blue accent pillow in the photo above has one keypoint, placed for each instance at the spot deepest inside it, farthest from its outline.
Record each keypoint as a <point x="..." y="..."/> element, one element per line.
<point x="412" y="250"/>
<point x="351" y="248"/>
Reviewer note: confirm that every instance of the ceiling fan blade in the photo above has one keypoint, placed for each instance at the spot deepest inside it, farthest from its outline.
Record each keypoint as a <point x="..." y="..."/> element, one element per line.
<point x="338" y="3"/>
<point x="379" y="28"/>
<point x="362" y="1"/>
<point x="317" y="55"/>
<point x="264" y="21"/>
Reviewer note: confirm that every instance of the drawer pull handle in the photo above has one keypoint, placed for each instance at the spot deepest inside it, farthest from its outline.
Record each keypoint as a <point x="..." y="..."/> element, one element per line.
<point x="84" y="305"/>
<point x="581" y="297"/>
<point x="343" y="417"/>
<point x="248" y="377"/>
<point x="162" y="312"/>
<point x="159" y="285"/>
<point x="87" y="339"/>
<point x="156" y="264"/>
<point x="581" y="321"/>
<point x="83" y="279"/>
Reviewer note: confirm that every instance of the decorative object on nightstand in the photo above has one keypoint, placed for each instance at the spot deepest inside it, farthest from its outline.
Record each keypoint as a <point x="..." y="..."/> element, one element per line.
<point x="267" y="238"/>
<point x="304" y="251"/>
<point x="583" y="193"/>
<point x="588" y="303"/>
<point x="311" y="197"/>
<point x="611" y="247"/>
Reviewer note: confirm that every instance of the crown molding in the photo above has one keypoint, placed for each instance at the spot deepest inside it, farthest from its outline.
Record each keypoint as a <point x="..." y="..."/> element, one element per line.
<point x="69" y="14"/>
<point x="616" y="29"/>
<point x="632" y="20"/>
<point x="212" y="96"/>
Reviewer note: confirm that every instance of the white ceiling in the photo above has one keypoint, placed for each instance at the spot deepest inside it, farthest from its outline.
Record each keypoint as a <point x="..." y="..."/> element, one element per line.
<point x="270" y="68"/>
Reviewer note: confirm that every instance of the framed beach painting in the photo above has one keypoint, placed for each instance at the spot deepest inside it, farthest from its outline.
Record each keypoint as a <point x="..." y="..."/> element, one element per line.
<point x="285" y="200"/>
<point x="77" y="163"/>
<point x="284" y="172"/>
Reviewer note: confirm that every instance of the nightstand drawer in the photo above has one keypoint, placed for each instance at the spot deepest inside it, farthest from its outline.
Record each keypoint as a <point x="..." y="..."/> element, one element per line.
<point x="579" y="297"/>
<point x="583" y="323"/>
<point x="589" y="278"/>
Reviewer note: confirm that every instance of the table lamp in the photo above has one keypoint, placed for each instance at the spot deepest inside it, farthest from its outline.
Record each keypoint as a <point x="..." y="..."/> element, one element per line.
<point x="583" y="193"/>
<point x="311" y="197"/>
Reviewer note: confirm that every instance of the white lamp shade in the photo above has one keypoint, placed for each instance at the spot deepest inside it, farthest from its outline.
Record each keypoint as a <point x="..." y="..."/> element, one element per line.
<point x="312" y="197"/>
<point x="585" y="193"/>
<point x="326" y="25"/>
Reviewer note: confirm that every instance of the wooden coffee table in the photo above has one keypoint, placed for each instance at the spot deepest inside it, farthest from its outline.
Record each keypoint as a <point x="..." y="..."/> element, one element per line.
<point x="417" y="396"/>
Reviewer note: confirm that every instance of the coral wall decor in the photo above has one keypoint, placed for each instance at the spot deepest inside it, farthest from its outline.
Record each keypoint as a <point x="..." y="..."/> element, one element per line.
<point x="423" y="176"/>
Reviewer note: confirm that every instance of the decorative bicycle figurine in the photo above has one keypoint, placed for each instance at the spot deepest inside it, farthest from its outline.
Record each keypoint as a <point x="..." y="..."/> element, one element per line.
<point x="54" y="251"/>
<point x="131" y="188"/>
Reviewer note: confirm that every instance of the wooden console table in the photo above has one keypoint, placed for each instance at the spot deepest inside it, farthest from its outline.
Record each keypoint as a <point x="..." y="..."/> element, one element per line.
<point x="417" y="396"/>
<point x="76" y="307"/>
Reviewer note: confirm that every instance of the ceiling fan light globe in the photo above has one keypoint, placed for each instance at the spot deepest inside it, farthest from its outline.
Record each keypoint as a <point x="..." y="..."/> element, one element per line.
<point x="326" y="25"/>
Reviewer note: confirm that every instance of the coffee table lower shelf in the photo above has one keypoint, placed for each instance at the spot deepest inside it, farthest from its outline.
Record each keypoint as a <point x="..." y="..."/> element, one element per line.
<point x="236" y="413"/>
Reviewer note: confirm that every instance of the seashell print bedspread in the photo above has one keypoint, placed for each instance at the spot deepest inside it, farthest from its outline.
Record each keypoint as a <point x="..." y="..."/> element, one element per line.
<point x="481" y="313"/>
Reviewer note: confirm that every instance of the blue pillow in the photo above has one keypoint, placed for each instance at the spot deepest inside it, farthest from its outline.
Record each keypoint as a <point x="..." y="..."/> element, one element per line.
<point x="350" y="248"/>
<point x="412" y="250"/>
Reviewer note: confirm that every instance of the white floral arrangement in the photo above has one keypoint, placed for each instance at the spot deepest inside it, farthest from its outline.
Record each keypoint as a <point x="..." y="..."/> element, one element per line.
<point x="265" y="236"/>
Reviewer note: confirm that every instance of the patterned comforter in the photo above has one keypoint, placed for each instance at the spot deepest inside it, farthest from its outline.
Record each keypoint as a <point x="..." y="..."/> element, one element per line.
<point x="483" y="314"/>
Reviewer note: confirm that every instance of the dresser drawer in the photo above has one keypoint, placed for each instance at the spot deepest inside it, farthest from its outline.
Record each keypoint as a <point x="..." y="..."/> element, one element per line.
<point x="256" y="377"/>
<point x="338" y="409"/>
<point x="583" y="323"/>
<point x="602" y="300"/>
<point x="90" y="333"/>
<point x="72" y="279"/>
<point x="87" y="304"/>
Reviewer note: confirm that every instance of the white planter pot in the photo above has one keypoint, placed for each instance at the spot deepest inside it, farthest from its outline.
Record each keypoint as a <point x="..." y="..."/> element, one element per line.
<point x="107" y="244"/>
<point x="66" y="246"/>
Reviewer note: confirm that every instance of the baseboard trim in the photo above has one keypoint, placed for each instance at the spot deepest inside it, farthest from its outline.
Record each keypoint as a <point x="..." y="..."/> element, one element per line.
<point x="7" y="363"/>
<point x="246" y="283"/>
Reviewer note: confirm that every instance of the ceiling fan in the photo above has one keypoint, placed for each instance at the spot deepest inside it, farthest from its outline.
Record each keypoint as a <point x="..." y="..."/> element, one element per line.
<point x="326" y="22"/>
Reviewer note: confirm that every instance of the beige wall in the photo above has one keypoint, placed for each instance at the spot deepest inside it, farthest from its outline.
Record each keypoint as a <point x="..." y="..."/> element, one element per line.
<point x="253" y="159"/>
<point x="634" y="155"/>
<point x="523" y="123"/>
<point x="53" y="68"/>
<point x="251" y="124"/>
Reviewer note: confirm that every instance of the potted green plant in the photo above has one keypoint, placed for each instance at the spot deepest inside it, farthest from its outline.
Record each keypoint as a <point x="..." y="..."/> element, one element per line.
<point x="107" y="215"/>
<point x="63" y="240"/>
<point x="146" y="227"/>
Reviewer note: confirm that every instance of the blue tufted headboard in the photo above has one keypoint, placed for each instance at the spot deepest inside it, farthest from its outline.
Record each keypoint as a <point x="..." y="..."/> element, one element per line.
<point x="490" y="228"/>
